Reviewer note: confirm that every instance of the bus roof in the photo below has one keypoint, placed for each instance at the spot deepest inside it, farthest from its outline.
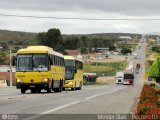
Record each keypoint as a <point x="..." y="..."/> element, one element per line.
<point x="38" y="49"/>
<point x="67" y="57"/>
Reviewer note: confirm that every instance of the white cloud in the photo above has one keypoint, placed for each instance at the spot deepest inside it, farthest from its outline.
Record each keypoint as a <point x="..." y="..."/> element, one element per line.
<point x="80" y="9"/>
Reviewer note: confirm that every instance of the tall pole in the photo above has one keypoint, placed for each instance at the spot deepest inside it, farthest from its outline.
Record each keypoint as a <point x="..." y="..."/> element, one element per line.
<point x="10" y="65"/>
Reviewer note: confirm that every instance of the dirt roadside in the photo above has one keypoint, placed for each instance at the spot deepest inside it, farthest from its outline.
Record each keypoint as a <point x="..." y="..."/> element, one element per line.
<point x="105" y="80"/>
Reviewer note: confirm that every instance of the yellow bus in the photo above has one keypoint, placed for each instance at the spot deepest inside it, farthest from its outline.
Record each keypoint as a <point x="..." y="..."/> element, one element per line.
<point x="74" y="73"/>
<point x="39" y="67"/>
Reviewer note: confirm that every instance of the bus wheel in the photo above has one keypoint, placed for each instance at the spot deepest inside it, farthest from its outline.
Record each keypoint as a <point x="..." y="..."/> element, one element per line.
<point x="39" y="90"/>
<point x="79" y="88"/>
<point x="48" y="90"/>
<point x="60" y="89"/>
<point x="33" y="90"/>
<point x="73" y="88"/>
<point x="23" y="90"/>
<point x="57" y="90"/>
<point x="63" y="89"/>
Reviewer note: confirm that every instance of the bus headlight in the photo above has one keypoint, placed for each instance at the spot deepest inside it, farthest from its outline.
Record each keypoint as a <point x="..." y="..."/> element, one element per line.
<point x="19" y="80"/>
<point x="70" y="83"/>
<point x="44" y="80"/>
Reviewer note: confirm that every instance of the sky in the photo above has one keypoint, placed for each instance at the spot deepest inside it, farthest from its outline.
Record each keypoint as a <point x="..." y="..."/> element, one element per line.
<point x="90" y="9"/>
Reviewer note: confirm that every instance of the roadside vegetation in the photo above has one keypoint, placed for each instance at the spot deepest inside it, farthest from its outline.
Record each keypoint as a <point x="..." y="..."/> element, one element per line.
<point x="148" y="103"/>
<point x="105" y="69"/>
<point x="153" y="60"/>
<point x="14" y="40"/>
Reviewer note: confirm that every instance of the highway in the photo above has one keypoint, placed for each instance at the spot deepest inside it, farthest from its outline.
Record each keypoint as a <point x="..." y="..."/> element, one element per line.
<point x="94" y="99"/>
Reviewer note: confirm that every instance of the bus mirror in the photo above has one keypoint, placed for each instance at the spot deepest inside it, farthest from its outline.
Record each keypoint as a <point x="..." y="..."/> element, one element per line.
<point x="51" y="62"/>
<point x="14" y="59"/>
<point x="75" y="70"/>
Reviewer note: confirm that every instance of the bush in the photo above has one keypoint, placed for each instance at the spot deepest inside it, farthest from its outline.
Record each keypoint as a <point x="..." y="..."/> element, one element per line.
<point x="156" y="48"/>
<point x="148" y="103"/>
<point x="126" y="50"/>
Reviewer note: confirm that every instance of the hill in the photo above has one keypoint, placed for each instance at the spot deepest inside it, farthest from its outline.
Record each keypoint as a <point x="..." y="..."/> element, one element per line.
<point x="9" y="38"/>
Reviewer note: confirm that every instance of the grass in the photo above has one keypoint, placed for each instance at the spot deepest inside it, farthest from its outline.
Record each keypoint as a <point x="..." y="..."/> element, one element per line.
<point x="96" y="83"/>
<point x="105" y="69"/>
<point x="149" y="51"/>
<point x="158" y="96"/>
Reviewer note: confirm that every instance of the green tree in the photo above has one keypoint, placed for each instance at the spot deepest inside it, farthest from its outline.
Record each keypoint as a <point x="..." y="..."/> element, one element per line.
<point x="53" y="37"/>
<point x="95" y="43"/>
<point x="83" y="50"/>
<point x="84" y="41"/>
<point x="41" y="38"/>
<point x="154" y="72"/>
<point x="156" y="48"/>
<point x="155" y="69"/>
<point x="112" y="48"/>
<point x="71" y="42"/>
<point x="126" y="50"/>
<point x="60" y="48"/>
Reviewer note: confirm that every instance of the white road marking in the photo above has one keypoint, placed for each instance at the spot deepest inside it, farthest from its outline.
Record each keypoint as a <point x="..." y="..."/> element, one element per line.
<point x="70" y="104"/>
<point x="96" y="87"/>
<point x="103" y="93"/>
<point x="52" y="110"/>
<point x="4" y="94"/>
<point x="67" y="105"/>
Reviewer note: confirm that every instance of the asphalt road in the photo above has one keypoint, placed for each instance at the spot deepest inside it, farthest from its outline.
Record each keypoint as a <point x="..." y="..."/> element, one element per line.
<point x="99" y="99"/>
<point x="90" y="100"/>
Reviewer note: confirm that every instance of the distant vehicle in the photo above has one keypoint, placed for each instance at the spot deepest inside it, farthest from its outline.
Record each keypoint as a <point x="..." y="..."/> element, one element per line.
<point x="90" y="77"/>
<point x="138" y="65"/>
<point x="139" y="46"/>
<point x="74" y="73"/>
<point x="137" y="68"/>
<point x="135" y="56"/>
<point x="119" y="77"/>
<point x="39" y="67"/>
<point x="129" y="76"/>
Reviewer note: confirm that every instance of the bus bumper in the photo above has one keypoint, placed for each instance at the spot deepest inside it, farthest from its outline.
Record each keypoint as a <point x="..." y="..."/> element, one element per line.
<point x="32" y="85"/>
<point x="69" y="84"/>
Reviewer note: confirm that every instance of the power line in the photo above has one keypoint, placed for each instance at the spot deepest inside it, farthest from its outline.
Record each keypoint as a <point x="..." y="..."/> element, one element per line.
<point x="76" y="18"/>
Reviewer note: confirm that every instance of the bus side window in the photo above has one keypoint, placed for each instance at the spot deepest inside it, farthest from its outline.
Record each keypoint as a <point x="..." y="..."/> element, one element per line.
<point x="14" y="60"/>
<point x="63" y="62"/>
<point x="55" y="60"/>
<point x="58" y="61"/>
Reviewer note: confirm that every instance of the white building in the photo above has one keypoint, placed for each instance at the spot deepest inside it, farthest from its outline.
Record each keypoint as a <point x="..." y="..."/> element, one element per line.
<point x="125" y="37"/>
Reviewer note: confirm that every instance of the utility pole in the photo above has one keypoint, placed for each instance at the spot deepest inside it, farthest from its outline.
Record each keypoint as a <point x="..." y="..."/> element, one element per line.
<point x="10" y="65"/>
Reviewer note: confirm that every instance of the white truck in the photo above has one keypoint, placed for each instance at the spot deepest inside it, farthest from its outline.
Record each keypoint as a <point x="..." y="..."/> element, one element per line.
<point x="119" y="77"/>
<point x="135" y="56"/>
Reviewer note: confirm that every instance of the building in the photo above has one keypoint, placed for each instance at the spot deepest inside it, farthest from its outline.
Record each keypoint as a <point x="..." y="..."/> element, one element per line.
<point x="158" y="40"/>
<point x="72" y="52"/>
<point x="5" y="74"/>
<point x="125" y="37"/>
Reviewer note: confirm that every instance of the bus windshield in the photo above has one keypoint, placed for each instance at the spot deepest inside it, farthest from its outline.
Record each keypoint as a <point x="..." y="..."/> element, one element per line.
<point x="128" y="76"/>
<point x="32" y="62"/>
<point x="69" y="66"/>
